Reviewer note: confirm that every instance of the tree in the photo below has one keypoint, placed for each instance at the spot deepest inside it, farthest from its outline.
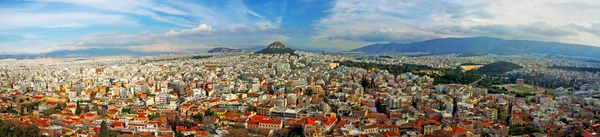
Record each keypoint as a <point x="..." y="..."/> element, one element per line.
<point x="208" y="112"/>
<point x="251" y="108"/>
<point x="104" y="130"/>
<point x="15" y="130"/>
<point x="126" y="110"/>
<point x="153" y="116"/>
<point x="199" y="117"/>
<point x="32" y="131"/>
<point x="309" y="92"/>
<point x="95" y="107"/>
<point x="49" y="112"/>
<point x="179" y="134"/>
<point x="78" y="108"/>
<point x="22" y="112"/>
<point x="86" y="109"/>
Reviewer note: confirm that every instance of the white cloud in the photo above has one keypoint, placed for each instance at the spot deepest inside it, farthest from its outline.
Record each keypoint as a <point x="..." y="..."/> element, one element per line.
<point x="17" y="20"/>
<point x="32" y="36"/>
<point x="180" y="13"/>
<point x="372" y="21"/>
<point x="206" y="30"/>
<point x="199" y="38"/>
<point x="203" y="29"/>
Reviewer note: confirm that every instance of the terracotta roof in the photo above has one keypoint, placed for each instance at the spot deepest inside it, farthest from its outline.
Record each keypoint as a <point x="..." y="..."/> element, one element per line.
<point x="117" y="124"/>
<point x="271" y="121"/>
<point x="458" y="130"/>
<point x="467" y="122"/>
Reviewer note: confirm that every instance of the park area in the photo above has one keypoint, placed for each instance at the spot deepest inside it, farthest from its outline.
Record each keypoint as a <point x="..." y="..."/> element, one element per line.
<point x="523" y="88"/>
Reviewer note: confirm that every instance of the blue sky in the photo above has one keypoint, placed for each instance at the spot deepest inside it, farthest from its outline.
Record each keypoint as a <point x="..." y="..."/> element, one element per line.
<point x="332" y="25"/>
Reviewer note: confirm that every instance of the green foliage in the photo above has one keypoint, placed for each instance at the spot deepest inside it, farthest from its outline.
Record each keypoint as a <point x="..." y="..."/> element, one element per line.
<point x="78" y="109"/>
<point x="515" y="131"/>
<point x="199" y="117"/>
<point x="153" y="116"/>
<point x="126" y="110"/>
<point x="251" y="108"/>
<point x="12" y="130"/>
<point x="200" y="57"/>
<point x="524" y="88"/>
<point x="277" y="48"/>
<point x="309" y="92"/>
<point x="86" y="109"/>
<point x="208" y="112"/>
<point x="453" y="76"/>
<point x="449" y="76"/>
<point x="179" y="134"/>
<point x="104" y="132"/>
<point x="393" y="69"/>
<point x="238" y="126"/>
<point x="277" y="51"/>
<point x="564" y="120"/>
<point x="497" y="68"/>
<point x="593" y="70"/>
<point x="522" y="95"/>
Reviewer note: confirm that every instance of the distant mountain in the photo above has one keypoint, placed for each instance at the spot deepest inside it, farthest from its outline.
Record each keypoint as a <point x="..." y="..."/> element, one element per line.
<point x="93" y="52"/>
<point x="276" y="48"/>
<point x="484" y="45"/>
<point x="224" y="50"/>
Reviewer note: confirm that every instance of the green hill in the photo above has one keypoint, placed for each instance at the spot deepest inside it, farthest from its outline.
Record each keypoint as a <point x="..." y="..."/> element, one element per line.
<point x="277" y="48"/>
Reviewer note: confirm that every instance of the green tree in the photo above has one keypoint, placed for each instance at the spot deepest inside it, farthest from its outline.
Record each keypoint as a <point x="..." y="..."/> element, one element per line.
<point x="32" y="131"/>
<point x="86" y="109"/>
<point x="199" y="117"/>
<point x="95" y="108"/>
<point x="78" y="108"/>
<point x="153" y="116"/>
<point x="104" y="130"/>
<point x="208" y="112"/>
<point x="251" y="108"/>
<point x="126" y="110"/>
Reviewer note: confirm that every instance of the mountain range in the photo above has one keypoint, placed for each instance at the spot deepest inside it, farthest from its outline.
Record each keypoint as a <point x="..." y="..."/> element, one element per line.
<point x="484" y="45"/>
<point x="473" y="46"/>
<point x="93" y="52"/>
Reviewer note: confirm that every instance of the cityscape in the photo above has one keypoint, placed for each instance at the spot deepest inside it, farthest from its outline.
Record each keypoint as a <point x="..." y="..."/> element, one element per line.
<point x="303" y="79"/>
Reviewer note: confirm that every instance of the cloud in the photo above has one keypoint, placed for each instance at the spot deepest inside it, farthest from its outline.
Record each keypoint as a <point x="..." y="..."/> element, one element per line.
<point x="391" y="35"/>
<point x="18" y="20"/>
<point x="32" y="36"/>
<point x="199" y="38"/>
<point x="206" y="30"/>
<point x="203" y="29"/>
<point x="180" y="13"/>
<point x="592" y="28"/>
<point x="374" y="21"/>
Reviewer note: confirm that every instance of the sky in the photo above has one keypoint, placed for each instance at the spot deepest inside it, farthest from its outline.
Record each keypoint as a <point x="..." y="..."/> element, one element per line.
<point x="39" y="26"/>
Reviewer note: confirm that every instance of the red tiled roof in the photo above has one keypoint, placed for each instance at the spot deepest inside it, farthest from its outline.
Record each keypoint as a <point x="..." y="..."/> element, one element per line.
<point x="390" y="133"/>
<point x="252" y="122"/>
<point x="259" y="117"/>
<point x="467" y="122"/>
<point x="458" y="130"/>
<point x="271" y="121"/>
<point x="180" y="128"/>
<point x="117" y="124"/>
